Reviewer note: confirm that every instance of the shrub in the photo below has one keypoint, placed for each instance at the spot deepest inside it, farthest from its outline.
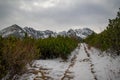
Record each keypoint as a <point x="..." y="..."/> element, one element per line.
<point x="56" y="47"/>
<point x="16" y="53"/>
<point x="3" y="63"/>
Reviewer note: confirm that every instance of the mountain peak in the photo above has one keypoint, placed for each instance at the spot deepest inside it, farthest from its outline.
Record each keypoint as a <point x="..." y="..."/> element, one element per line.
<point x="15" y="26"/>
<point x="13" y="30"/>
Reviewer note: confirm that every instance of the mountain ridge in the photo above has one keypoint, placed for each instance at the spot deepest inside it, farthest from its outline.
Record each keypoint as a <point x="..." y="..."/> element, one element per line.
<point x="18" y="31"/>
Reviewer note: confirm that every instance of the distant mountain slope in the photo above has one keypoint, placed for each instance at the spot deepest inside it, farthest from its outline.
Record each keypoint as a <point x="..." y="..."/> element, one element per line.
<point x="14" y="30"/>
<point x="17" y="31"/>
<point x="80" y="33"/>
<point x="38" y="34"/>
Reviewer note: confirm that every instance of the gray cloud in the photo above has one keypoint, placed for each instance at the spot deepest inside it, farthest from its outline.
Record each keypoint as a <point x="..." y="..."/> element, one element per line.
<point x="58" y="15"/>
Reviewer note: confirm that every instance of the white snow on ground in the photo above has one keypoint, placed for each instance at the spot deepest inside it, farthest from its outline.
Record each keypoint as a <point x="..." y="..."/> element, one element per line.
<point x="81" y="68"/>
<point x="83" y="64"/>
<point x="106" y="67"/>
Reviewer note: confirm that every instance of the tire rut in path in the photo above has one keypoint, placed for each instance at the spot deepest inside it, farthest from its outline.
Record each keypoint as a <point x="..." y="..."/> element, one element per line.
<point x="91" y="64"/>
<point x="68" y="74"/>
<point x="43" y="74"/>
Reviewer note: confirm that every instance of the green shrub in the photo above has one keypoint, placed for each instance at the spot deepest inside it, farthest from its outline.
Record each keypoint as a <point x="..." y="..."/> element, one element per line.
<point x="56" y="47"/>
<point x="16" y="53"/>
<point x="3" y="63"/>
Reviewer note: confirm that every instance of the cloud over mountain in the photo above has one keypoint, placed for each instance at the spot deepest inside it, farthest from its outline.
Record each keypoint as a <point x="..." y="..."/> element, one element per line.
<point x="58" y="15"/>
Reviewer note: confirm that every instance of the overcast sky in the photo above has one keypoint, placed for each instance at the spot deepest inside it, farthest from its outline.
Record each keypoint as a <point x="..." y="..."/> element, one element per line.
<point x="58" y="15"/>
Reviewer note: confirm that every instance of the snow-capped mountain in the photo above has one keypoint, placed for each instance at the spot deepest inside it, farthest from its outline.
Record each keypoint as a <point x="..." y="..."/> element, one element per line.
<point x="79" y="33"/>
<point x="17" y="31"/>
<point x="38" y="34"/>
<point x="13" y="30"/>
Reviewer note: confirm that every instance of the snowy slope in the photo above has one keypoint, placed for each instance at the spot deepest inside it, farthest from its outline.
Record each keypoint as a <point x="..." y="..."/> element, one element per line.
<point x="83" y="64"/>
<point x="39" y="34"/>
<point x="14" y="30"/>
<point x="79" y="33"/>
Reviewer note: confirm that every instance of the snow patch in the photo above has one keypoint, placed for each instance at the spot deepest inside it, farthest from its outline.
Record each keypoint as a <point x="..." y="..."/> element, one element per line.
<point x="79" y="66"/>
